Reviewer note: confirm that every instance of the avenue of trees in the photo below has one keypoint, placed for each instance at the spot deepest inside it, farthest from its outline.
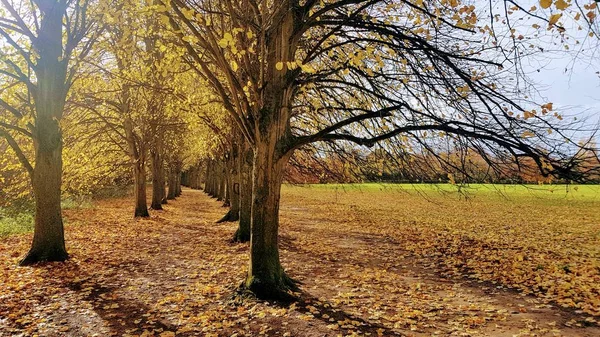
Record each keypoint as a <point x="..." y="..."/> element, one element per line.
<point x="226" y="95"/>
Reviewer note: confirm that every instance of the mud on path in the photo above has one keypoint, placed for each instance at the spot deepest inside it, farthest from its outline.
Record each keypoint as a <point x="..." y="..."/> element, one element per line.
<point x="173" y="274"/>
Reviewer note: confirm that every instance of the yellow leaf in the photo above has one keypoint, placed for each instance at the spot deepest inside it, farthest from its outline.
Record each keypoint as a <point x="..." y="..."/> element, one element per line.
<point x="279" y="66"/>
<point x="188" y="14"/>
<point x="307" y="69"/>
<point x="519" y="257"/>
<point x="548" y="106"/>
<point x="545" y="3"/>
<point x="223" y="43"/>
<point x="527" y="134"/>
<point x="554" y="18"/>
<point x="561" y="4"/>
<point x="292" y="65"/>
<point x="249" y="34"/>
<point x="167" y="334"/>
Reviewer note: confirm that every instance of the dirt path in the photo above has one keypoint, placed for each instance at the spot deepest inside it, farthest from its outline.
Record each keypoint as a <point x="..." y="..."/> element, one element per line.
<point x="174" y="273"/>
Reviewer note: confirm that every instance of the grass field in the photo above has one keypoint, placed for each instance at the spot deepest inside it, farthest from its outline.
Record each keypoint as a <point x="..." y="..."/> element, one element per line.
<point x="542" y="239"/>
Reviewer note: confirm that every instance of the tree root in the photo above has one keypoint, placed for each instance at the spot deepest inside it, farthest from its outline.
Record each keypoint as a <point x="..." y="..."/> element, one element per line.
<point x="281" y="291"/>
<point x="229" y="217"/>
<point x="33" y="257"/>
<point x="141" y="213"/>
<point x="239" y="237"/>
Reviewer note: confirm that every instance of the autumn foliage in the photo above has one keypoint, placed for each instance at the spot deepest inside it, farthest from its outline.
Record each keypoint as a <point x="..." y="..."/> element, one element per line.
<point x="105" y="99"/>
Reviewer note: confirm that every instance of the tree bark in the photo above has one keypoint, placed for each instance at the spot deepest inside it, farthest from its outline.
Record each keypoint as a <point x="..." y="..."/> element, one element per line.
<point x="172" y="194"/>
<point x="272" y="139"/>
<point x="141" y="206"/>
<point x="48" y="235"/>
<point x="226" y="183"/>
<point x="50" y="95"/>
<point x="137" y="154"/>
<point x="242" y="234"/>
<point x="158" y="175"/>
<point x="213" y="180"/>
<point x="266" y="277"/>
<point x="164" y="199"/>
<point x="222" y="183"/>
<point x="233" y="188"/>
<point x="178" y="178"/>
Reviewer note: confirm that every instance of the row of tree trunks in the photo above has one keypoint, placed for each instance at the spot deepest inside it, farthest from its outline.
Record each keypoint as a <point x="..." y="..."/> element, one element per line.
<point x="216" y="180"/>
<point x="174" y="181"/>
<point x="232" y="179"/>
<point x="192" y="178"/>
<point x="242" y="234"/>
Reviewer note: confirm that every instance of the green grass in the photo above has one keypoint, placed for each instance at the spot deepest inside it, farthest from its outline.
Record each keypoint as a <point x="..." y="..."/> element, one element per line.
<point x="15" y="224"/>
<point x="548" y="193"/>
<point x="19" y="219"/>
<point x="76" y="202"/>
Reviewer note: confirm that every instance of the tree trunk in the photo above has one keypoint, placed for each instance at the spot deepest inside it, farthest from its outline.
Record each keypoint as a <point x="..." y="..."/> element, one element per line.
<point x="50" y="95"/>
<point x="233" y="188"/>
<point x="212" y="176"/>
<point x="184" y="179"/>
<point x="164" y="186"/>
<point x="158" y="177"/>
<point x="266" y="277"/>
<point x="245" y="168"/>
<point x="141" y="206"/>
<point x="227" y="184"/>
<point x="178" y="178"/>
<point x="207" y="176"/>
<point x="221" y="182"/>
<point x="172" y="194"/>
<point x="214" y="181"/>
<point x="48" y="238"/>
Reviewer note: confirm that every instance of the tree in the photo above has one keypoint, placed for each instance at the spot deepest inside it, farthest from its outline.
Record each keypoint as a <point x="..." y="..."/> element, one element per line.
<point x="291" y="73"/>
<point x="44" y="41"/>
<point x="135" y="96"/>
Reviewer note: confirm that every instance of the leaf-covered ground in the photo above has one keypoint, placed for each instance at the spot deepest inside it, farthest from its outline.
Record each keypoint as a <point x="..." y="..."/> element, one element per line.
<point x="373" y="261"/>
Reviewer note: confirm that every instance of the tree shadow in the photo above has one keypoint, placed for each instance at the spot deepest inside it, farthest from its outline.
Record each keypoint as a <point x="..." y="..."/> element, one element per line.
<point x="120" y="314"/>
<point x="329" y="314"/>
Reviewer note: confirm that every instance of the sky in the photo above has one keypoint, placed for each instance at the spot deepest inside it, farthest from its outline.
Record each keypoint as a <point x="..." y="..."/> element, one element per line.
<point x="571" y="82"/>
<point x="567" y="78"/>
